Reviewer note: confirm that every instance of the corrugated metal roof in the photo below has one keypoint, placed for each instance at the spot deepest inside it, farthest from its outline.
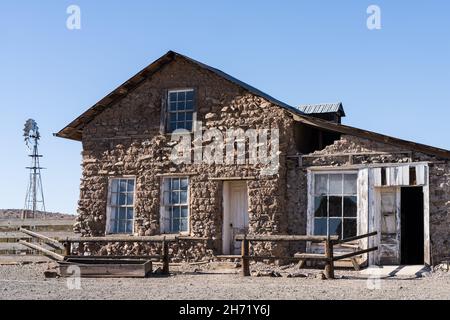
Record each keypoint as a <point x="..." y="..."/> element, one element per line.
<point x="322" y="108"/>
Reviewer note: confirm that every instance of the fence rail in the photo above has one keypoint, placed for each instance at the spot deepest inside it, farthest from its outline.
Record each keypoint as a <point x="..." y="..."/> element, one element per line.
<point x="328" y="257"/>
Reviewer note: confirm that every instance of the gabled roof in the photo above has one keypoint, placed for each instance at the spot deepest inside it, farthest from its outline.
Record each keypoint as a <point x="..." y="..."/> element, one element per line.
<point x="323" y="108"/>
<point x="74" y="129"/>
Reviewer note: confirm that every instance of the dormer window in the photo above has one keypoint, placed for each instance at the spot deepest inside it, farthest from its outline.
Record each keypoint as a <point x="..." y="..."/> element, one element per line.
<point x="180" y="110"/>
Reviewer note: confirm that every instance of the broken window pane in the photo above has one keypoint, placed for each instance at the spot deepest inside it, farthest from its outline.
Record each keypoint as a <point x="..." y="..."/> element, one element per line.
<point x="320" y="206"/>
<point x="335" y="206"/>
<point x="350" y="228"/>
<point x="350" y="207"/>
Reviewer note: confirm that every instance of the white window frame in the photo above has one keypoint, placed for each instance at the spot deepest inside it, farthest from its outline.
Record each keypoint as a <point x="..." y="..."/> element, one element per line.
<point x="311" y="198"/>
<point x="109" y="206"/>
<point x="163" y="206"/>
<point x="169" y="112"/>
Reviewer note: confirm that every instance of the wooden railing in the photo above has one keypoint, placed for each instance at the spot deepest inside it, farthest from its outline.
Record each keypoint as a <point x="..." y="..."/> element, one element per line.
<point x="328" y="257"/>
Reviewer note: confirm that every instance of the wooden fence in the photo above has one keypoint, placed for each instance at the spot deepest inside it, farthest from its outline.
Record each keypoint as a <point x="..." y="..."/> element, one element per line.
<point x="328" y="257"/>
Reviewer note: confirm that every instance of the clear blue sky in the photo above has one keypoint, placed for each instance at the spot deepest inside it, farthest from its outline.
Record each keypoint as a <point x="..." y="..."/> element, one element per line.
<point x="394" y="80"/>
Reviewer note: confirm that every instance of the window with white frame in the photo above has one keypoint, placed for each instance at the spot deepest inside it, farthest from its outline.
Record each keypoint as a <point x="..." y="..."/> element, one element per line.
<point x="335" y="204"/>
<point x="175" y="209"/>
<point x="181" y="110"/>
<point x="121" y="205"/>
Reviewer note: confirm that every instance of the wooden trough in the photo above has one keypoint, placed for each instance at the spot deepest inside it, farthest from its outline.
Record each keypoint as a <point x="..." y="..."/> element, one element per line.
<point x="105" y="268"/>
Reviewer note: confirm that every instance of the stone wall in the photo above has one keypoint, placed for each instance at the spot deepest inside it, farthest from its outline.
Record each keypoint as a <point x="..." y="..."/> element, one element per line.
<point x="125" y="140"/>
<point x="366" y="150"/>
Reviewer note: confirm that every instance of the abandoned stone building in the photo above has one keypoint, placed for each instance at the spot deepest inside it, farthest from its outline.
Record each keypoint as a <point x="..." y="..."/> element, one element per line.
<point x="330" y="179"/>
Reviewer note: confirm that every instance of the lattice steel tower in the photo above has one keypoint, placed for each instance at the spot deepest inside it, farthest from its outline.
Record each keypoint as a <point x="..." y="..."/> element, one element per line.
<point x="34" y="200"/>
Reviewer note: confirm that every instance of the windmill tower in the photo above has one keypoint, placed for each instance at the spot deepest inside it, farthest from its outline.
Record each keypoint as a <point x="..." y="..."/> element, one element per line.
<point x="34" y="200"/>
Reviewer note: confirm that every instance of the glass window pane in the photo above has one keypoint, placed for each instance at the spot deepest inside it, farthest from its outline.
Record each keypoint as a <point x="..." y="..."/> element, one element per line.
<point x="175" y="198"/>
<point x="189" y="116"/>
<point x="183" y="197"/>
<point x="184" y="212"/>
<point x="175" y="184"/>
<point x="130" y="187"/>
<point x="175" y="225"/>
<point x="320" y="184"/>
<point x="320" y="226"/>
<point x="335" y="184"/>
<point x="173" y="106"/>
<point x="320" y="206"/>
<point x="173" y="117"/>
<point x="123" y="185"/>
<point x="350" y="183"/>
<point x="190" y="105"/>
<point x="181" y="95"/>
<point x="176" y="213"/>
<point x="183" y="225"/>
<point x="122" y="213"/>
<point x="129" y="227"/>
<point x="335" y="227"/>
<point x="184" y="184"/>
<point x="173" y="126"/>
<point x="335" y="206"/>
<point x="173" y="96"/>
<point x="181" y="106"/>
<point x="188" y="125"/>
<point x="122" y="199"/>
<point x="190" y="95"/>
<point x="122" y="226"/>
<point x="115" y="185"/>
<point x="113" y="199"/>
<point x="112" y="226"/>
<point x="350" y="206"/>
<point x="166" y="197"/>
<point x="181" y="116"/>
<point x="350" y="229"/>
<point x="130" y="213"/>
<point x="129" y="199"/>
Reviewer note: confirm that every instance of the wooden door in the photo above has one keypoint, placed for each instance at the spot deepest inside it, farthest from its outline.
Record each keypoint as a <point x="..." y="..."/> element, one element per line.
<point x="235" y="215"/>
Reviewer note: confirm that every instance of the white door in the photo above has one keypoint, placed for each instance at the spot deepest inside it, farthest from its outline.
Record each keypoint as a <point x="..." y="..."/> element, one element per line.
<point x="389" y="214"/>
<point x="235" y="215"/>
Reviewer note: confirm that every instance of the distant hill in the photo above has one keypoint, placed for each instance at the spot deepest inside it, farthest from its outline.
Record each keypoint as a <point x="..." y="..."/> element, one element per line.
<point x="17" y="214"/>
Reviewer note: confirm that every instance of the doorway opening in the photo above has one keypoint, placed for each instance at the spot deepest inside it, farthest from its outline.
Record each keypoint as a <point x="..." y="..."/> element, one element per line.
<point x="412" y="226"/>
<point x="235" y="215"/>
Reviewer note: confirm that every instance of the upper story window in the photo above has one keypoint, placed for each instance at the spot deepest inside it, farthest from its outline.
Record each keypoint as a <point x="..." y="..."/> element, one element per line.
<point x="120" y="212"/>
<point x="335" y="204"/>
<point x="181" y="110"/>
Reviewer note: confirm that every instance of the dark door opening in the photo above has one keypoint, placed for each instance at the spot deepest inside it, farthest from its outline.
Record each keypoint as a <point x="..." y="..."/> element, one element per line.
<point x="412" y="226"/>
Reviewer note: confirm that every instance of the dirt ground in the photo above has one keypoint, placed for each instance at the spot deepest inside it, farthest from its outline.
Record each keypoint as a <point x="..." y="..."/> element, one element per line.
<point x="28" y="282"/>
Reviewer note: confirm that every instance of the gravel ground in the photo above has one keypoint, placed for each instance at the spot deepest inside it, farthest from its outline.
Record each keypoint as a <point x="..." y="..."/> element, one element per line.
<point x="28" y="282"/>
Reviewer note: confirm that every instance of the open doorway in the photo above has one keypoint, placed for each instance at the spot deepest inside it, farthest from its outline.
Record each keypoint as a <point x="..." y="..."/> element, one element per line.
<point x="412" y="226"/>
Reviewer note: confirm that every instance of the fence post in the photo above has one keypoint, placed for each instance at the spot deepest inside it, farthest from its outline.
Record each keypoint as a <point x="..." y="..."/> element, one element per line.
<point x="329" y="267"/>
<point x="245" y="251"/>
<point x="165" y="256"/>
<point x="68" y="248"/>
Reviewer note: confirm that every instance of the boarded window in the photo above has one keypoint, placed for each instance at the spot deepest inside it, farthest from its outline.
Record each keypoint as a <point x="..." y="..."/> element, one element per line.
<point x="335" y="204"/>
